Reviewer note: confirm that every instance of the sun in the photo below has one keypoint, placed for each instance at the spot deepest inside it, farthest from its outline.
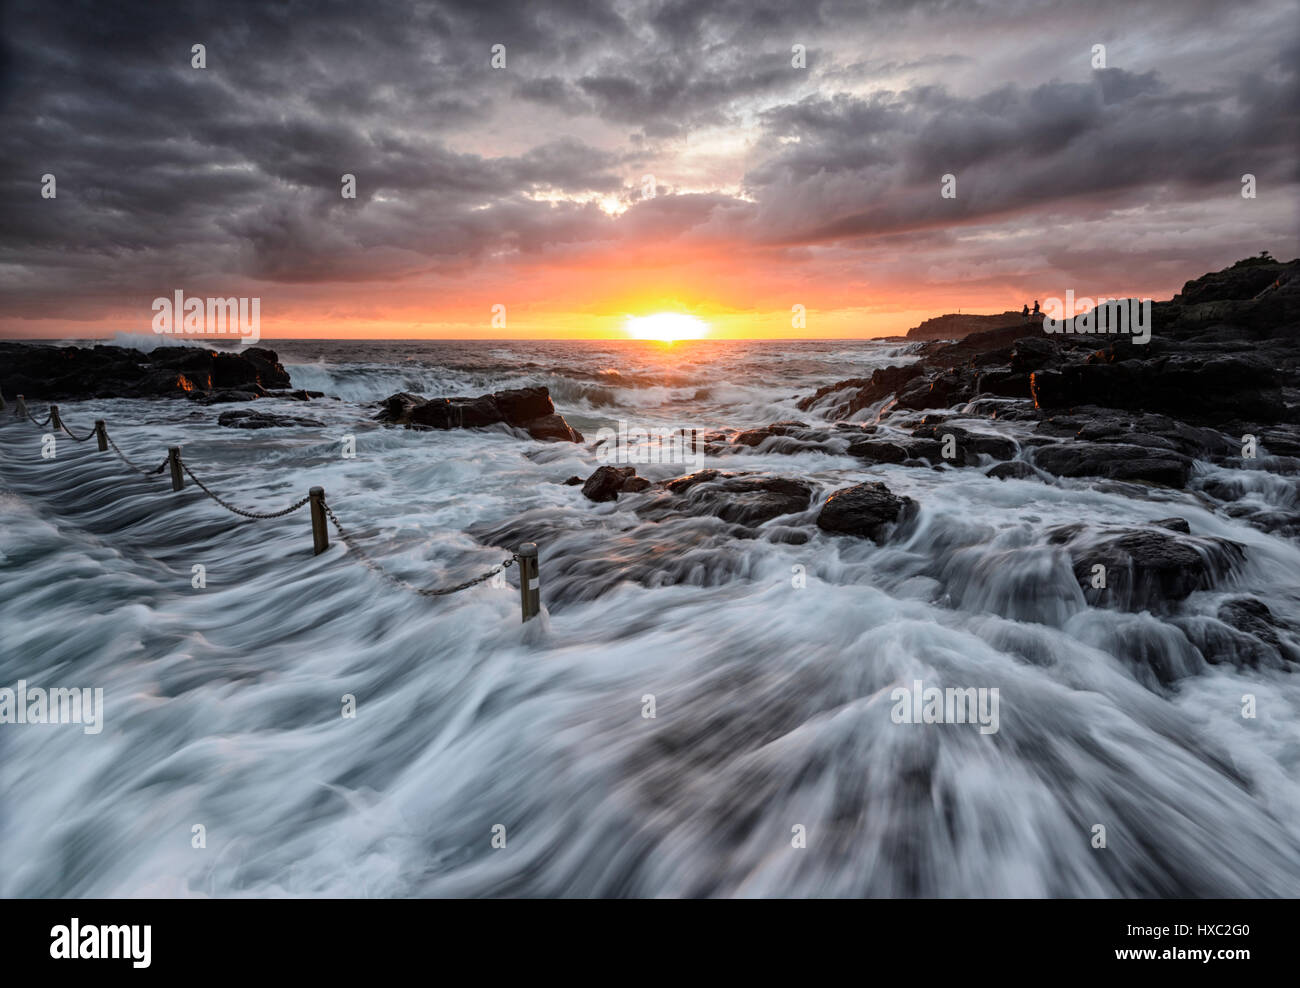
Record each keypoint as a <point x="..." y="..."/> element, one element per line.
<point x="666" y="327"/>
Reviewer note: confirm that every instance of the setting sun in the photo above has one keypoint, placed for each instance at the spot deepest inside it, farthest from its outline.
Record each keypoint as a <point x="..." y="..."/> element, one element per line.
<point x="666" y="327"/>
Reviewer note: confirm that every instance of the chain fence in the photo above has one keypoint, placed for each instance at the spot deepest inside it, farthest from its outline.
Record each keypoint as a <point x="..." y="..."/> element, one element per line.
<point x="344" y="536"/>
<point x="240" y="511"/>
<point x="76" y="438"/>
<point x="370" y="564"/>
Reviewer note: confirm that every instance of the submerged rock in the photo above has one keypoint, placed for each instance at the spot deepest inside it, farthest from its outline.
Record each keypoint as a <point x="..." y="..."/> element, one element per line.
<point x="529" y="409"/>
<point x="1149" y="568"/>
<point x="1016" y="470"/>
<point x="1114" y="461"/>
<point x="247" y="419"/>
<point x="739" y="498"/>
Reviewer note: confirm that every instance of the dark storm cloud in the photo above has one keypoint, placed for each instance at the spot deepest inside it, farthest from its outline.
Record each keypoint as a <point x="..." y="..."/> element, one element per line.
<point x="167" y="173"/>
<point x="869" y="165"/>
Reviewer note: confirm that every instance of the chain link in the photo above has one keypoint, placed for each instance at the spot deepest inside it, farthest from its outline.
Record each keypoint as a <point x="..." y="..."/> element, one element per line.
<point x="240" y="511"/>
<point x="398" y="581"/>
<point x="75" y="438"/>
<point x="343" y="535"/>
<point x="146" y="473"/>
<point x="40" y="424"/>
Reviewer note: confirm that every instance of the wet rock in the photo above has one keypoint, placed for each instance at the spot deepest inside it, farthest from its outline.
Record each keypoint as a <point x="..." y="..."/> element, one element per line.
<point x="739" y="498"/>
<point x="865" y="510"/>
<point x="844" y="398"/>
<point x="943" y="391"/>
<point x="1190" y="386"/>
<point x="574" y="481"/>
<point x="227" y="397"/>
<point x="1174" y="525"/>
<point x="529" y="409"/>
<point x="54" y="373"/>
<point x="1034" y="353"/>
<point x="970" y="445"/>
<point x="1114" y="462"/>
<point x="1016" y="470"/>
<point x="878" y="451"/>
<point x="301" y="394"/>
<point x="1253" y="617"/>
<point x="248" y="419"/>
<point x="1004" y="383"/>
<point x="607" y="483"/>
<point x="553" y="427"/>
<point x="1148" y="569"/>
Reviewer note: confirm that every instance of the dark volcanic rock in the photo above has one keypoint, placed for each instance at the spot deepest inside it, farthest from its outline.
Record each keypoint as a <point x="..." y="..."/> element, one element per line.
<point x="954" y="325"/>
<point x="522" y="408"/>
<point x="607" y="483"/>
<point x="54" y="373"/>
<point x="1015" y="470"/>
<point x="739" y="498"/>
<point x="247" y="419"/>
<point x="1244" y="280"/>
<point x="879" y="451"/>
<point x="1191" y="386"/>
<point x="969" y="445"/>
<point x="554" y="427"/>
<point x="1115" y="462"/>
<point x="864" y="510"/>
<point x="1253" y="617"/>
<point x="844" y="398"/>
<point x="787" y="437"/>
<point x="1149" y="568"/>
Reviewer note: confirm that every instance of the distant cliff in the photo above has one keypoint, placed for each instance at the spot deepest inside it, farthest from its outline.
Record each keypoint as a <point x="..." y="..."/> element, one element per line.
<point x="954" y="326"/>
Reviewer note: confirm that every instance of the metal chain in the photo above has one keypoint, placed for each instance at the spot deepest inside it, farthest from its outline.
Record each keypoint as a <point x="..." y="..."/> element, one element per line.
<point x="347" y="539"/>
<point x="147" y="473"/>
<point x="398" y="581"/>
<point x="40" y="424"/>
<point x="240" y="511"/>
<point x="75" y="438"/>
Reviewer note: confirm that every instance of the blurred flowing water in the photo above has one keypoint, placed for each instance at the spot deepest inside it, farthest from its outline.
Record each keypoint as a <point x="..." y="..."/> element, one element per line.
<point x="772" y="700"/>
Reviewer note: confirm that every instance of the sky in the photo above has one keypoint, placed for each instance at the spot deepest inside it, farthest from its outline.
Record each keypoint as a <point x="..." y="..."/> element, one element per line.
<point x="633" y="158"/>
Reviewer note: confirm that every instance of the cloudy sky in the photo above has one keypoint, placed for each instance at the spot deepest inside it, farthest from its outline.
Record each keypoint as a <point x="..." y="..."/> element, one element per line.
<point x="633" y="157"/>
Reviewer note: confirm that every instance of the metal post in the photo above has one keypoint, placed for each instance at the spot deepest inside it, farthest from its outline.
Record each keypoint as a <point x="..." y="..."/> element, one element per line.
<point x="174" y="461"/>
<point x="530" y="584"/>
<point x="20" y="409"/>
<point x="102" y="435"/>
<point x="55" y="424"/>
<point x="2" y="402"/>
<point x="320" y="536"/>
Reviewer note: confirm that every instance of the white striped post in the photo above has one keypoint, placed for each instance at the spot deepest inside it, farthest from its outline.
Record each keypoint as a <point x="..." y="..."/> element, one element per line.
<point x="530" y="583"/>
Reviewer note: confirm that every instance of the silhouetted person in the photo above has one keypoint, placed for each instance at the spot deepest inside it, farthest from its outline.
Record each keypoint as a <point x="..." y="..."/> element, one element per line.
<point x="1024" y="314"/>
<point x="1036" y="310"/>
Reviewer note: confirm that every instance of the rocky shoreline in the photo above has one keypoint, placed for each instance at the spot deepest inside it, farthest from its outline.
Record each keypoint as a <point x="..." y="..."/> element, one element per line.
<point x="68" y="373"/>
<point x="1218" y="384"/>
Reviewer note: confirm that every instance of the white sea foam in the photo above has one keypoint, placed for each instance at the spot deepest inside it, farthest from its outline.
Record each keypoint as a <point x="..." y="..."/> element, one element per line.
<point x="222" y="705"/>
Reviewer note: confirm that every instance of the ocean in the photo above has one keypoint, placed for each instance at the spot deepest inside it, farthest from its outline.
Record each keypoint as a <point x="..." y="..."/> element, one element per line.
<point x="701" y="709"/>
